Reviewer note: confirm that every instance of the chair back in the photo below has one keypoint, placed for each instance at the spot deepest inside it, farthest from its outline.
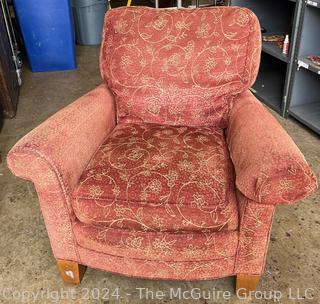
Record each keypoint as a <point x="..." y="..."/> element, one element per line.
<point x="179" y="66"/>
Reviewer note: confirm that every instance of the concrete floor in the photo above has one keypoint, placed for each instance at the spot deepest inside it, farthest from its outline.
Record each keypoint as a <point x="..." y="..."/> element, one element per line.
<point x="26" y="260"/>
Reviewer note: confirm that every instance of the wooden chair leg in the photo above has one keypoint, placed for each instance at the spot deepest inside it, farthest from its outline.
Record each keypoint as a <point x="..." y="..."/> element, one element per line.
<point x="71" y="272"/>
<point x="246" y="283"/>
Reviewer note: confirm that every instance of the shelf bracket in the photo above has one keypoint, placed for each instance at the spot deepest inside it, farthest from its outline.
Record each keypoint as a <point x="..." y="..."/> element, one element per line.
<point x="302" y="64"/>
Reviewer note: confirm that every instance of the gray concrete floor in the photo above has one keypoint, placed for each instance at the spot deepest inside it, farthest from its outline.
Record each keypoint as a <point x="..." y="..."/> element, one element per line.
<point x="26" y="261"/>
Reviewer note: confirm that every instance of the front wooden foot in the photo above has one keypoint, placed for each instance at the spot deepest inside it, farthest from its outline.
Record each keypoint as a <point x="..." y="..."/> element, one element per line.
<point x="71" y="272"/>
<point x="246" y="283"/>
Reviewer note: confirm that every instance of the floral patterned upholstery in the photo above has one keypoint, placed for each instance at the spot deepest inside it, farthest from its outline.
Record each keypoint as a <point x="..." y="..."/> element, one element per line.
<point x="138" y="177"/>
<point x="166" y="246"/>
<point x="179" y="67"/>
<point x="255" y="229"/>
<point x="158" y="269"/>
<point x="153" y="177"/>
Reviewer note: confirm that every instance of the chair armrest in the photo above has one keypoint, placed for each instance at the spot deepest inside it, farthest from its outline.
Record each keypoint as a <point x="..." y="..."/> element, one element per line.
<point x="254" y="234"/>
<point x="54" y="155"/>
<point x="65" y="142"/>
<point x="269" y="167"/>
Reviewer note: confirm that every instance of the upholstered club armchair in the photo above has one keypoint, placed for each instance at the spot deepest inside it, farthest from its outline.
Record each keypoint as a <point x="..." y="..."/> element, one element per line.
<point x="171" y="169"/>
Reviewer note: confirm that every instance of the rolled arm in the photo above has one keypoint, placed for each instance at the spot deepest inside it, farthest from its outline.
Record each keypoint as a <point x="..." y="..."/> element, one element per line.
<point x="66" y="141"/>
<point x="269" y="167"/>
<point x="54" y="155"/>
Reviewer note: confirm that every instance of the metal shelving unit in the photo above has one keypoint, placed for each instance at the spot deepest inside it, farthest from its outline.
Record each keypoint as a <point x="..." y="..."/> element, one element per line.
<point x="270" y="83"/>
<point x="304" y="100"/>
<point x="308" y="114"/>
<point x="309" y="65"/>
<point x="277" y="17"/>
<point x="273" y="50"/>
<point x="315" y="3"/>
<point x="289" y="84"/>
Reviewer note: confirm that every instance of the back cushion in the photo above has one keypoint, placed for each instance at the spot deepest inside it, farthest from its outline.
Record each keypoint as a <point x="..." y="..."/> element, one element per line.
<point x="179" y="66"/>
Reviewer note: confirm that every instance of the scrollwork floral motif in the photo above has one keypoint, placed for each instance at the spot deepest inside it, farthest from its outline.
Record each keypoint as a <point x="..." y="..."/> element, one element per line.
<point x="179" y="178"/>
<point x="179" y="67"/>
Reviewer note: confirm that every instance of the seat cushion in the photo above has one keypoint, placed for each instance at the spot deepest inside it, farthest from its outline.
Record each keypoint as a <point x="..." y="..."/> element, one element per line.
<point x="151" y="177"/>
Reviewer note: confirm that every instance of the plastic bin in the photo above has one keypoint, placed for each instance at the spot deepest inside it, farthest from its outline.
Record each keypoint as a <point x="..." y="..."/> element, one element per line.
<point x="47" y="31"/>
<point x="88" y="18"/>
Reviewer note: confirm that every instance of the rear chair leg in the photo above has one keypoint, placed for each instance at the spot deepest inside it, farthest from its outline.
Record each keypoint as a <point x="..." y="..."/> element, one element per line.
<point x="246" y="283"/>
<point x="71" y="272"/>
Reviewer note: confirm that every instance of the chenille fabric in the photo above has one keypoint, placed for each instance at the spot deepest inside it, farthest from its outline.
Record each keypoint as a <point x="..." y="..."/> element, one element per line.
<point x="166" y="246"/>
<point x="54" y="155"/>
<point x="171" y="169"/>
<point x="179" y="66"/>
<point x="160" y="269"/>
<point x="255" y="228"/>
<point x="159" y="178"/>
<point x="191" y="256"/>
<point x="270" y="168"/>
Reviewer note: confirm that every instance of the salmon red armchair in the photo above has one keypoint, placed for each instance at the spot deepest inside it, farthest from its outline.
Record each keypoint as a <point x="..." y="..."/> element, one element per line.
<point x="170" y="169"/>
